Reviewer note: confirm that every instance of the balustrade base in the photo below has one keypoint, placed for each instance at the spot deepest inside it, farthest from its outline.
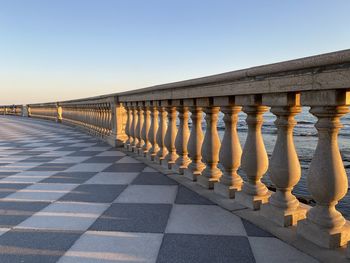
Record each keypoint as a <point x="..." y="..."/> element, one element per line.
<point x="226" y="190"/>
<point x="323" y="237"/>
<point x="190" y="175"/>
<point x="251" y="201"/>
<point x="111" y="140"/>
<point x="282" y="217"/>
<point x="150" y="157"/>
<point x="206" y="182"/>
<point x="179" y="169"/>
<point x="166" y="164"/>
<point x="158" y="160"/>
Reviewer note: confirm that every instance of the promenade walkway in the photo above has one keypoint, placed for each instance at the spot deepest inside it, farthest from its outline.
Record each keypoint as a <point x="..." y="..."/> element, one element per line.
<point x="67" y="197"/>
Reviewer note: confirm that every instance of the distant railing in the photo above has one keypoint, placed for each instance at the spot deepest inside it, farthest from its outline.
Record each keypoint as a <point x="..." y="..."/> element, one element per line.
<point x="16" y="110"/>
<point x="145" y="121"/>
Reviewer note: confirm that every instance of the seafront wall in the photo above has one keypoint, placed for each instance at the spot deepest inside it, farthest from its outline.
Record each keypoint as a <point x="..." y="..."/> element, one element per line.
<point x="144" y="121"/>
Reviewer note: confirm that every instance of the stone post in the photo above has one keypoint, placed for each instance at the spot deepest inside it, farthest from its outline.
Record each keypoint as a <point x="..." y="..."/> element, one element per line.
<point x="210" y="149"/>
<point x="163" y="127"/>
<point x="283" y="208"/>
<point x="195" y="142"/>
<point x="118" y="136"/>
<point x="230" y="153"/>
<point x="327" y="180"/>
<point x="134" y="122"/>
<point x="170" y="136"/>
<point x="59" y="114"/>
<point x="254" y="156"/>
<point x="128" y="128"/>
<point x="181" y="140"/>
<point x="145" y="129"/>
<point x="140" y="141"/>
<point x="153" y="132"/>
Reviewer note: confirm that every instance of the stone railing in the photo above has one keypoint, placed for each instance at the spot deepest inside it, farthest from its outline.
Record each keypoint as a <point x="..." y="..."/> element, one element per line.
<point x="145" y="121"/>
<point x="16" y="110"/>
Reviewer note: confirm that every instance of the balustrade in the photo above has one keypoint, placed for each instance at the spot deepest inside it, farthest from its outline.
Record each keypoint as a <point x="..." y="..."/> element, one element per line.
<point x="146" y="122"/>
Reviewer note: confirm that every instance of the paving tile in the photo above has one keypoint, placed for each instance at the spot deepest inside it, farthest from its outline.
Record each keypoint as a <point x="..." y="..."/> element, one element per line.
<point x="153" y="179"/>
<point x="69" y="177"/>
<point x="38" y="159"/>
<point x="32" y="153"/>
<point x="111" y="153"/>
<point x="254" y="231"/>
<point x="52" y="167"/>
<point x="128" y="159"/>
<point x="70" y="148"/>
<point x="149" y="170"/>
<point x="146" y="218"/>
<point x="34" y="246"/>
<point x="41" y="192"/>
<point x="103" y="159"/>
<point x="99" y="193"/>
<point x="179" y="248"/>
<point x="70" y="159"/>
<point x="187" y="197"/>
<point x="27" y="177"/>
<point x="97" y="149"/>
<point x="269" y="249"/>
<point x="125" y="167"/>
<point x="112" y="178"/>
<point x="204" y="219"/>
<point x="161" y="194"/>
<point x="88" y="167"/>
<point x="56" y="154"/>
<point x="18" y="167"/>
<point x="81" y="153"/>
<point x="12" y="213"/>
<point x="105" y="247"/>
<point x="65" y="216"/>
<point x="6" y="189"/>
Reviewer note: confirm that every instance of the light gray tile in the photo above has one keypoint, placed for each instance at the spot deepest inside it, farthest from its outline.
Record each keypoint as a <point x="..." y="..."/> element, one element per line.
<point x="65" y="216"/>
<point x="270" y="250"/>
<point x="204" y="219"/>
<point x="111" y="153"/>
<point x="41" y="192"/>
<point x="112" y="178"/>
<point x="70" y="159"/>
<point x="128" y="159"/>
<point x="105" y="247"/>
<point x="88" y="167"/>
<point x="161" y="194"/>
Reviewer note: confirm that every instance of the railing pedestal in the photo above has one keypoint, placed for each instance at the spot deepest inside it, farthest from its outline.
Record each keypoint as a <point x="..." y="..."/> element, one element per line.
<point x="327" y="183"/>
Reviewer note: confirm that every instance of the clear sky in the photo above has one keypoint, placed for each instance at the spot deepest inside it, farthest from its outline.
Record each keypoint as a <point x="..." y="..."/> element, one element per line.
<point x="63" y="49"/>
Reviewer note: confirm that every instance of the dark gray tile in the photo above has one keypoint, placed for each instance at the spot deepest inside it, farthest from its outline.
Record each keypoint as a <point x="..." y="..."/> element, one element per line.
<point x="254" y="231"/>
<point x="187" y="197"/>
<point x="69" y="149"/>
<point x="125" y="167"/>
<point x="5" y="174"/>
<point x="99" y="193"/>
<point x="37" y="159"/>
<point x="103" y="159"/>
<point x="69" y="177"/>
<point x="13" y="213"/>
<point x="36" y="246"/>
<point x="52" y="167"/>
<point x="146" y="218"/>
<point x="6" y="189"/>
<point x="153" y="178"/>
<point x="84" y="153"/>
<point x="181" y="248"/>
<point x="33" y="153"/>
<point x="2" y="164"/>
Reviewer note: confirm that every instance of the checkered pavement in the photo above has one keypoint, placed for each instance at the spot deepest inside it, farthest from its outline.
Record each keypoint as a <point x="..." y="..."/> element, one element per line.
<point x="67" y="197"/>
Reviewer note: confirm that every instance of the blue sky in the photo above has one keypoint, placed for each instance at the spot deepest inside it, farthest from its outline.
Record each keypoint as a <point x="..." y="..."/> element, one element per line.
<point x="62" y="49"/>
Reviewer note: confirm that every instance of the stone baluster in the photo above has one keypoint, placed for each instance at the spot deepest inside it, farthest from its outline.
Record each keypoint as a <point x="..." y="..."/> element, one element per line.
<point x="145" y="129"/>
<point x="140" y="142"/>
<point x="170" y="137"/>
<point x="327" y="180"/>
<point x="210" y="149"/>
<point x="230" y="151"/>
<point x="283" y="208"/>
<point x="128" y="128"/>
<point x="254" y="157"/>
<point x="162" y="129"/>
<point x="181" y="141"/>
<point x="135" y="120"/>
<point x="153" y="132"/>
<point x="195" y="142"/>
